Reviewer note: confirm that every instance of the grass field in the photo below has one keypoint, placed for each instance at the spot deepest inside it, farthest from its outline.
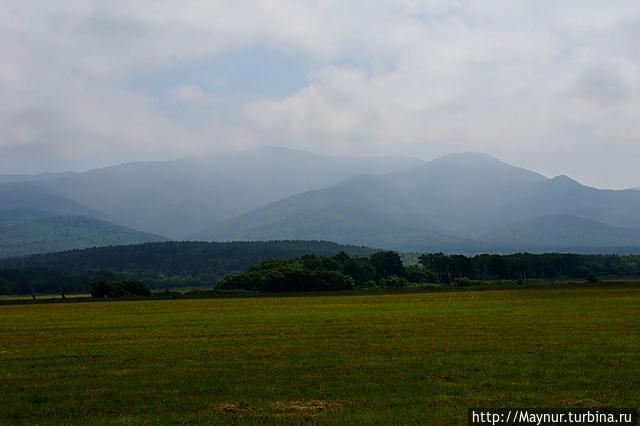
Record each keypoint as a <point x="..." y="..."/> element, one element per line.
<point x="375" y="359"/>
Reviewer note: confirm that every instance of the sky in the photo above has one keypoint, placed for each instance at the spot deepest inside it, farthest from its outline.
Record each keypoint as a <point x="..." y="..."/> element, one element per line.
<point x="550" y="85"/>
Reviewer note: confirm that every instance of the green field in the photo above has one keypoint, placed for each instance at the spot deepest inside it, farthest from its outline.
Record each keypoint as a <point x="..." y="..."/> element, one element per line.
<point x="374" y="359"/>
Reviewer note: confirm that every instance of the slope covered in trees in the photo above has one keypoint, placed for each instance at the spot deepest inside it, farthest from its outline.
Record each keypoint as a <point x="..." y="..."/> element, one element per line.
<point x="24" y="232"/>
<point x="30" y="196"/>
<point x="164" y="264"/>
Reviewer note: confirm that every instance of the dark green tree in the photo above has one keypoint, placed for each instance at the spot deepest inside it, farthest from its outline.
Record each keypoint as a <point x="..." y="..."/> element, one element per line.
<point x="387" y="263"/>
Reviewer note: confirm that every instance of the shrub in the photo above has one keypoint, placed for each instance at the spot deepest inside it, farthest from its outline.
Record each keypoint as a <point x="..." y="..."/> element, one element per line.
<point x="462" y="282"/>
<point x="394" y="282"/>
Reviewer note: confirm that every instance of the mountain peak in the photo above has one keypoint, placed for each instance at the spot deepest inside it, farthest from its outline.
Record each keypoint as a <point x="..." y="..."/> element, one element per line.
<point x="566" y="180"/>
<point x="475" y="167"/>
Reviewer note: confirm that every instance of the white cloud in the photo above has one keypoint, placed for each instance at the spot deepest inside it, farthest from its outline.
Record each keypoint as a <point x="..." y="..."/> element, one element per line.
<point x="193" y="94"/>
<point x="515" y="79"/>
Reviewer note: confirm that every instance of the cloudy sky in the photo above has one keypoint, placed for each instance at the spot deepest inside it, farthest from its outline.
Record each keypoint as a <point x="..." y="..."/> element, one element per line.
<point x="551" y="85"/>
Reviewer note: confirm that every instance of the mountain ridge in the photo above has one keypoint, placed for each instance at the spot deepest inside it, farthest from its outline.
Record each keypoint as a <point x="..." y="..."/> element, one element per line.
<point x="564" y="230"/>
<point x="455" y="199"/>
<point x="177" y="198"/>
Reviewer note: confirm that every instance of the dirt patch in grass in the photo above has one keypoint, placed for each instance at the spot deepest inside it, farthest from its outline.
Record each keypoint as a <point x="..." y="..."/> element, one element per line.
<point x="228" y="408"/>
<point x="305" y="409"/>
<point x="308" y="406"/>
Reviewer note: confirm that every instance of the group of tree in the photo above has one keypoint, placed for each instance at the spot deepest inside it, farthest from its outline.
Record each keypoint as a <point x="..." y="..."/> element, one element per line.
<point x="204" y="264"/>
<point x="385" y="269"/>
<point x="329" y="273"/>
<point x="523" y="266"/>
<point x="160" y="265"/>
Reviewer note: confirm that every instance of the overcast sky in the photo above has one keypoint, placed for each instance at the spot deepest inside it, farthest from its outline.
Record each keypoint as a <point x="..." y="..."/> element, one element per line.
<point x="549" y="85"/>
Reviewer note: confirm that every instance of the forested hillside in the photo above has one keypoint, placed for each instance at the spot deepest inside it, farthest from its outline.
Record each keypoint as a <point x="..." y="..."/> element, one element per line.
<point x="25" y="232"/>
<point x="158" y="264"/>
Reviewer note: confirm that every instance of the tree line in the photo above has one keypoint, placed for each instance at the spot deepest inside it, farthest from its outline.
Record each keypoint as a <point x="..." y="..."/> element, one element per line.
<point x="160" y="265"/>
<point x="385" y="269"/>
<point x="523" y="266"/>
<point x="311" y="272"/>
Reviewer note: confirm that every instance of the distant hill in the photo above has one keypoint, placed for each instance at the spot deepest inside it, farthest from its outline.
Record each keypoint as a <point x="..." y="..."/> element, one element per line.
<point x="40" y="177"/>
<point x="29" y="196"/>
<point x="564" y="196"/>
<point x="179" y="198"/>
<point x="564" y="231"/>
<point x="180" y="258"/>
<point x="449" y="203"/>
<point x="25" y="231"/>
<point x="452" y="204"/>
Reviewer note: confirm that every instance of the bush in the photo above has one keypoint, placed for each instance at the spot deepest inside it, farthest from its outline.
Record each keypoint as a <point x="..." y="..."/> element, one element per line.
<point x="463" y="282"/>
<point x="394" y="282"/>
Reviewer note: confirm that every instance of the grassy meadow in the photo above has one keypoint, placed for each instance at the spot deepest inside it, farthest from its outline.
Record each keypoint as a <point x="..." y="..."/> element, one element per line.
<point x="364" y="359"/>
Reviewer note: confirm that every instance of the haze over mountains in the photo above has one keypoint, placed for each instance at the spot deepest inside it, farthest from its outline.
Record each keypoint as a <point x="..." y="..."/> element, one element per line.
<point x="181" y="197"/>
<point x="454" y="203"/>
<point x="563" y="230"/>
<point x="457" y="203"/>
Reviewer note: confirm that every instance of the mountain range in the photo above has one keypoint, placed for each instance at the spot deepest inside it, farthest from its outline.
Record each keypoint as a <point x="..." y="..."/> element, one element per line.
<point x="179" y="198"/>
<point x="465" y="203"/>
<point x="459" y="202"/>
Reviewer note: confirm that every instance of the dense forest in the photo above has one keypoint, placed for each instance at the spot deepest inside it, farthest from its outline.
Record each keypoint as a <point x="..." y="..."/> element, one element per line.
<point x="385" y="269"/>
<point x="288" y="266"/>
<point x="160" y="265"/>
<point x="523" y="266"/>
<point x="311" y="273"/>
